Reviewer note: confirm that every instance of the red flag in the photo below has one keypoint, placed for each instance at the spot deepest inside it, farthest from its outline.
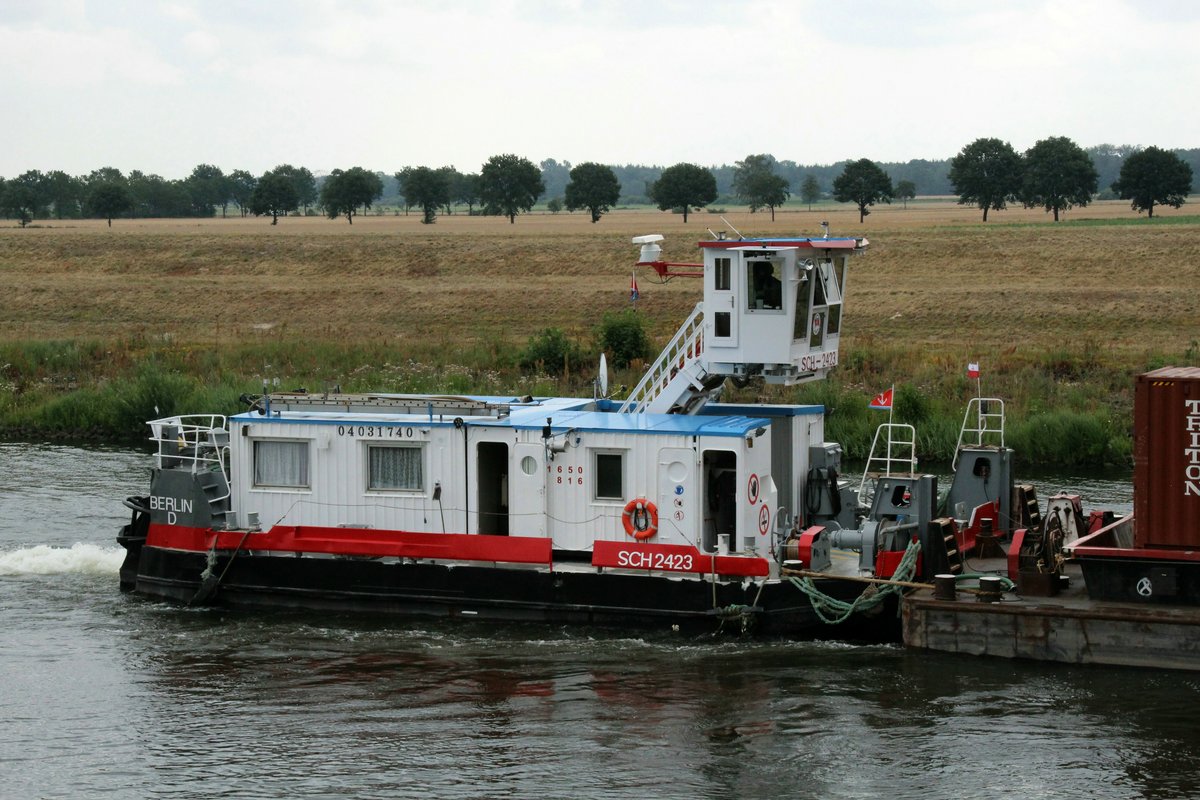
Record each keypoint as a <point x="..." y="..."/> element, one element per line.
<point x="973" y="370"/>
<point x="883" y="401"/>
<point x="633" y="290"/>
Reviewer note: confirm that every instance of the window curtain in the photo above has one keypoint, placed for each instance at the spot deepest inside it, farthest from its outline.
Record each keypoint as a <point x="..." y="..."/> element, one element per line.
<point x="396" y="468"/>
<point x="281" y="463"/>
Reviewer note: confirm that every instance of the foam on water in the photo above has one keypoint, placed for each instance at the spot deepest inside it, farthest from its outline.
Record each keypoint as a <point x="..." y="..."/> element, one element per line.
<point x="87" y="559"/>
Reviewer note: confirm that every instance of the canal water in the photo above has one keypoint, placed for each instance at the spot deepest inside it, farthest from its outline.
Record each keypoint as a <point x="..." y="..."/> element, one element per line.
<point x="107" y="695"/>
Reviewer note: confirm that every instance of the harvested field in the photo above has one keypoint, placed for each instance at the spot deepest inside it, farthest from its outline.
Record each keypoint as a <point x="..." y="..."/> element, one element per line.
<point x="935" y="278"/>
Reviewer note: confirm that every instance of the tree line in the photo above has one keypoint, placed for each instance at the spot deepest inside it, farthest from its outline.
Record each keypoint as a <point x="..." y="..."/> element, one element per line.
<point x="987" y="173"/>
<point x="1057" y="174"/>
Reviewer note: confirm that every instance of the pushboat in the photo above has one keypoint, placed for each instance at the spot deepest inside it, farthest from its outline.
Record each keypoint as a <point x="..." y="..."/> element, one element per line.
<point x="667" y="508"/>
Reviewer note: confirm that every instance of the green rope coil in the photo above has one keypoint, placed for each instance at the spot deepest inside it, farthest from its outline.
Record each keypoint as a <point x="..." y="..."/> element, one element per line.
<point x="832" y="611"/>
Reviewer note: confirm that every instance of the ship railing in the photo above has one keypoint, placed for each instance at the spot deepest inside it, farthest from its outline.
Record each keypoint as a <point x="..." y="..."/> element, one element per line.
<point x="893" y="453"/>
<point x="198" y="442"/>
<point x="684" y="347"/>
<point x="982" y="426"/>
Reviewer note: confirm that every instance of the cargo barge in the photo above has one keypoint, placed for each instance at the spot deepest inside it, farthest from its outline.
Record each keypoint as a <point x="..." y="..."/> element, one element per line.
<point x="1120" y="591"/>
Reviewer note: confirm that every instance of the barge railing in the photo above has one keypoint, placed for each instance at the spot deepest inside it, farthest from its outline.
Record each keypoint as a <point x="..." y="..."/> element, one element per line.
<point x="198" y="441"/>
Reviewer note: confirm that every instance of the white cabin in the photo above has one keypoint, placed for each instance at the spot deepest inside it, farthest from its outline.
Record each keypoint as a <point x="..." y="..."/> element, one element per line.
<point x="563" y="469"/>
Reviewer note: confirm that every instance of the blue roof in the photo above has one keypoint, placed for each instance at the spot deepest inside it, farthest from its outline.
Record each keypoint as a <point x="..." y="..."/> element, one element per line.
<point x="615" y="422"/>
<point x="565" y="413"/>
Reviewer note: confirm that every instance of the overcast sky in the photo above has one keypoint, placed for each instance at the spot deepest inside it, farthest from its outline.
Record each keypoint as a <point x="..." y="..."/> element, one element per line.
<point x="386" y="84"/>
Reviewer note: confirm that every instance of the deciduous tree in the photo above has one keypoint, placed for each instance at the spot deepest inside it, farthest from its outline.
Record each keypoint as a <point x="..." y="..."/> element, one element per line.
<point x="906" y="190"/>
<point x="1154" y="176"/>
<point x="863" y="183"/>
<point x="20" y="200"/>
<point x="64" y="191"/>
<point x="346" y="191"/>
<point x="104" y="175"/>
<point x="683" y="186"/>
<point x="810" y="190"/>
<point x="594" y="187"/>
<point x="468" y="191"/>
<point x="986" y="173"/>
<point x="155" y="196"/>
<point x="274" y="194"/>
<point x="208" y="188"/>
<point x="509" y="184"/>
<point x="109" y="199"/>
<point x="755" y="181"/>
<point x="241" y="187"/>
<point x="1059" y="175"/>
<point x="424" y="187"/>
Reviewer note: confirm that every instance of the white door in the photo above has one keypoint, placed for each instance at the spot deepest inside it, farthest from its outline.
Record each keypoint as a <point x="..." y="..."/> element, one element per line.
<point x="721" y="303"/>
<point x="679" y="517"/>
<point x="527" y="491"/>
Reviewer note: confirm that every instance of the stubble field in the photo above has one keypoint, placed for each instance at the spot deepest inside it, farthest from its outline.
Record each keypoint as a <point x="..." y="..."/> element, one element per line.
<point x="1091" y="300"/>
<point x="934" y="278"/>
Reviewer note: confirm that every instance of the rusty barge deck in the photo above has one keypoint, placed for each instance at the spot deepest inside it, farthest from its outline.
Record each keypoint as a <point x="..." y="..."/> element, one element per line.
<point x="1068" y="627"/>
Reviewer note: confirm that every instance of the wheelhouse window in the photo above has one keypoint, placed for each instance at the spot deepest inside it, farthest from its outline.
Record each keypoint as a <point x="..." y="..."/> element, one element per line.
<point x="610" y="476"/>
<point x="395" y="469"/>
<point x="803" y="289"/>
<point x="764" y="289"/>
<point x="281" y="464"/>
<point x="830" y="287"/>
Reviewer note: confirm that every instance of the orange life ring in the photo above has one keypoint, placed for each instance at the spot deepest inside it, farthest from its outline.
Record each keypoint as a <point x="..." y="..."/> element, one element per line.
<point x="640" y="519"/>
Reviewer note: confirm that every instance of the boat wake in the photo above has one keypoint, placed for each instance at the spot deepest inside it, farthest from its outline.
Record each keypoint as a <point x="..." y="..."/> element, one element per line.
<point x="86" y="559"/>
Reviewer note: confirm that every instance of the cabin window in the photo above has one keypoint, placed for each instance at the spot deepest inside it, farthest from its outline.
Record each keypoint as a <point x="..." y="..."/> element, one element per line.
<point x="721" y="275"/>
<point x="831" y="284"/>
<point x="721" y="325"/>
<point x="610" y="476"/>
<point x="764" y="289"/>
<point x="821" y="273"/>
<point x="835" y="319"/>
<point x="281" y="464"/>
<point x="395" y="469"/>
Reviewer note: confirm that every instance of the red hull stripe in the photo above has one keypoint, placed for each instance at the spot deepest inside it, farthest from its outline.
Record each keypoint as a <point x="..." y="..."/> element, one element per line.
<point x="359" y="542"/>
<point x="674" y="558"/>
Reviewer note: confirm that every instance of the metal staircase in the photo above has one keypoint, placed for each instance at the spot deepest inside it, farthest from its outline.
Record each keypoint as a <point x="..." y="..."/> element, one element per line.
<point x="678" y="380"/>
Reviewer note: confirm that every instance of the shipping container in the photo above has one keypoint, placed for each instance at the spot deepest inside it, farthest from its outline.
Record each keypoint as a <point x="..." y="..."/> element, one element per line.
<point x="1166" y="460"/>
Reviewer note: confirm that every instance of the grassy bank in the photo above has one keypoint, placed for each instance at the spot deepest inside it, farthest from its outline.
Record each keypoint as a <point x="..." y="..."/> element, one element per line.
<point x="1065" y="408"/>
<point x="99" y="328"/>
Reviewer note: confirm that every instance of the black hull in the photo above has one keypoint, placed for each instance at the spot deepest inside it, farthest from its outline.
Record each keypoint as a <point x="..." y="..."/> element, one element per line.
<point x="1141" y="580"/>
<point x="498" y="593"/>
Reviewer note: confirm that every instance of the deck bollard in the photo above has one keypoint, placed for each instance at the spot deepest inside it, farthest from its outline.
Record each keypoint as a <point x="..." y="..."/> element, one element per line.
<point x="991" y="588"/>
<point x="944" y="587"/>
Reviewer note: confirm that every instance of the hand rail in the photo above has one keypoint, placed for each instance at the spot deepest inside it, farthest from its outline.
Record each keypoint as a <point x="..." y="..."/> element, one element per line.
<point x="684" y="347"/>
<point x="984" y="427"/>
<point x="200" y="440"/>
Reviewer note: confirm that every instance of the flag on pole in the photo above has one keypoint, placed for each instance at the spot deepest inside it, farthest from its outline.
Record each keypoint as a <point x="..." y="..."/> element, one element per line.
<point x="633" y="290"/>
<point x="973" y="370"/>
<point x="883" y="401"/>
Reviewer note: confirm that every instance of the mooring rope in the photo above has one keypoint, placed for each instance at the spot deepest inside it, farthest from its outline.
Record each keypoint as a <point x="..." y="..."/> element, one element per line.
<point x="833" y="611"/>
